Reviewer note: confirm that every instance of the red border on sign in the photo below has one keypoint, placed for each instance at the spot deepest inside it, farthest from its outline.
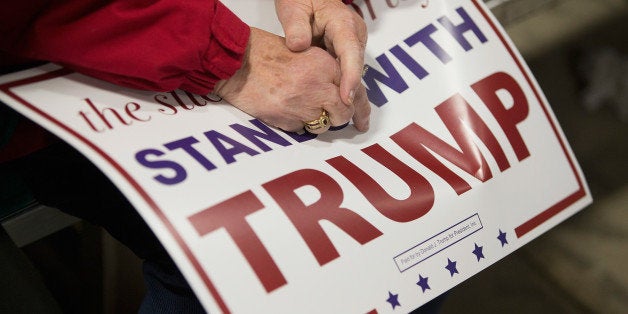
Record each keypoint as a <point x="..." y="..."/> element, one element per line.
<point x="573" y="197"/>
<point x="6" y="88"/>
<point x="520" y="230"/>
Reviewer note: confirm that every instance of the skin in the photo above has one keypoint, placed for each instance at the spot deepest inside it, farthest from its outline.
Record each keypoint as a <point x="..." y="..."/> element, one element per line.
<point x="332" y="25"/>
<point x="284" y="88"/>
<point x="285" y="81"/>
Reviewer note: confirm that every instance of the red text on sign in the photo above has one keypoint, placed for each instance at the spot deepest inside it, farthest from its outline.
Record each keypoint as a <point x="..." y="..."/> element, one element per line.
<point x="464" y="125"/>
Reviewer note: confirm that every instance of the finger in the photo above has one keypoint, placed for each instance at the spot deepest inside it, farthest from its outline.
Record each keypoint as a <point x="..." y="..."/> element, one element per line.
<point x="339" y="113"/>
<point x="362" y="113"/>
<point x="326" y="94"/>
<point x="291" y="126"/>
<point x="348" y="45"/>
<point x="325" y="97"/>
<point x="309" y="108"/>
<point x="295" y="20"/>
<point x="320" y="125"/>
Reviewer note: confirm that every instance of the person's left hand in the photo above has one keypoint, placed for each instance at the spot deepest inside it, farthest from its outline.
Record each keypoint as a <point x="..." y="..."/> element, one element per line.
<point x="337" y="28"/>
<point x="284" y="89"/>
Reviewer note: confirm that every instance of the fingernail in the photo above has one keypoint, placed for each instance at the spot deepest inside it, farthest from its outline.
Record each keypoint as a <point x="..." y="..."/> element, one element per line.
<point x="351" y="96"/>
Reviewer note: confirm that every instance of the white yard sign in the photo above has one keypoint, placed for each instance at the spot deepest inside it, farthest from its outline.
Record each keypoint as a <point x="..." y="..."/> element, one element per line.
<point x="464" y="163"/>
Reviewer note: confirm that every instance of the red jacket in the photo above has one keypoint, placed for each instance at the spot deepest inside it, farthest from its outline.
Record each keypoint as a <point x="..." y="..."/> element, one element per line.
<point x="156" y="45"/>
<point x="153" y="45"/>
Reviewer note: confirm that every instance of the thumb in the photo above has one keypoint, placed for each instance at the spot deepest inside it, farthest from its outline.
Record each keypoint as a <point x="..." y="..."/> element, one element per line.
<point x="295" y="20"/>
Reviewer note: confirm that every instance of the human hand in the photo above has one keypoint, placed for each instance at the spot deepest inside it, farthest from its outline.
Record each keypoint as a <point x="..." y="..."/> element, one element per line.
<point x="330" y="23"/>
<point x="285" y="88"/>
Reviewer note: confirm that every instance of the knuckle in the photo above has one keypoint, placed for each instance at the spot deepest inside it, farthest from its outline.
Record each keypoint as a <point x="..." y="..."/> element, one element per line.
<point x="344" y="114"/>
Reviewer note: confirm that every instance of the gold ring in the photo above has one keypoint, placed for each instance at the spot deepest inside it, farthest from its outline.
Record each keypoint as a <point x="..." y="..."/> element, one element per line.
<point x="319" y="125"/>
<point x="365" y="68"/>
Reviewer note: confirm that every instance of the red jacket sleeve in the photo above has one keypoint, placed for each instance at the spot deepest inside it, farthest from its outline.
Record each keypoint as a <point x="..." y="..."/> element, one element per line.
<point x="156" y="45"/>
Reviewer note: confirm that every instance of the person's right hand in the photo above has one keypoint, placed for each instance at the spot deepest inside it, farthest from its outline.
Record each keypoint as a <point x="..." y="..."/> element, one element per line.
<point x="283" y="88"/>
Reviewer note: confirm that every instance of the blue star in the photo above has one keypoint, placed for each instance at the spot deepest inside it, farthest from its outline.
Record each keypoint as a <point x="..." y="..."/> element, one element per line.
<point x="478" y="251"/>
<point x="451" y="266"/>
<point x="423" y="283"/>
<point x="502" y="237"/>
<point x="393" y="299"/>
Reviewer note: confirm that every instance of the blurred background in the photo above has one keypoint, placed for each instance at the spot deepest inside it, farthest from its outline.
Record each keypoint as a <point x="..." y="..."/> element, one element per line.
<point x="578" y="51"/>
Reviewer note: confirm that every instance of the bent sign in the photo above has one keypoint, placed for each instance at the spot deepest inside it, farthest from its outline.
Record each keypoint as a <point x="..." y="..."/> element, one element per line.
<point x="464" y="163"/>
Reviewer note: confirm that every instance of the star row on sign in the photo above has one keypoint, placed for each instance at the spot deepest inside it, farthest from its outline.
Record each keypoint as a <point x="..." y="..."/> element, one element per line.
<point x="393" y="298"/>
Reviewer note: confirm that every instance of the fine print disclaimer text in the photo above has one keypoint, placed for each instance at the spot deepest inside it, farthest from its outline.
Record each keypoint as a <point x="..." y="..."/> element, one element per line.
<point x="437" y="243"/>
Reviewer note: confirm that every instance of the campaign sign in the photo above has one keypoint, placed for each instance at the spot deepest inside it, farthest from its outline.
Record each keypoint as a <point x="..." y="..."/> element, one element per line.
<point x="463" y="164"/>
